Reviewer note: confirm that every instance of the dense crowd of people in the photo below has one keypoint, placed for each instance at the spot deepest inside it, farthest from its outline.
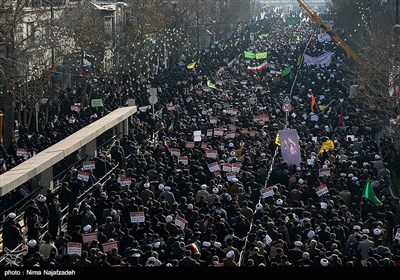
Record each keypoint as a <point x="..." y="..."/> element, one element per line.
<point x="196" y="197"/>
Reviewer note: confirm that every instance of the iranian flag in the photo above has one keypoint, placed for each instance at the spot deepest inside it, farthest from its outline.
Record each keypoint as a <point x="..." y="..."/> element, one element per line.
<point x="195" y="247"/>
<point x="260" y="67"/>
<point x="394" y="81"/>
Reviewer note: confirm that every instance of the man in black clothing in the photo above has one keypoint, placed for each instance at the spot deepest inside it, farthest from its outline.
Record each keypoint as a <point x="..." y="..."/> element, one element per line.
<point x="187" y="260"/>
<point x="12" y="236"/>
<point x="125" y="242"/>
<point x="54" y="217"/>
<point x="30" y="210"/>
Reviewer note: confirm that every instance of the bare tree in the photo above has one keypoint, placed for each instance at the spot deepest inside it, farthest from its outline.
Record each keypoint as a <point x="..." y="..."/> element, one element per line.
<point x="379" y="49"/>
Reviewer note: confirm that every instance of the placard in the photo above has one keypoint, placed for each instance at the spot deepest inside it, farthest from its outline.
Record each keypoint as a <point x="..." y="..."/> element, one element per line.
<point x="184" y="160"/>
<point x="209" y="132"/>
<point x="22" y="152"/>
<point x="108" y="246"/>
<point x="89" y="237"/>
<point x="213" y="167"/>
<point x="230" y="176"/>
<point x="324" y="172"/>
<point x="230" y="135"/>
<point x="227" y="167"/>
<point x="218" y="131"/>
<point x="74" y="248"/>
<point x="89" y="165"/>
<point x="397" y="236"/>
<point x="180" y="222"/>
<point x="268" y="239"/>
<point x="213" y="120"/>
<point x="321" y="190"/>
<point x="236" y="167"/>
<point x="263" y="118"/>
<point x="190" y="144"/>
<point x="212" y="154"/>
<point x="267" y="192"/>
<point x="125" y="181"/>
<point x="175" y="152"/>
<point x="76" y="107"/>
<point x="203" y="145"/>
<point x="232" y="127"/>
<point x="83" y="176"/>
<point x="137" y="217"/>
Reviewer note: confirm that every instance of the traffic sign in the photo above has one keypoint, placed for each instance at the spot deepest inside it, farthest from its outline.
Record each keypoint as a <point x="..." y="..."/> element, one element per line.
<point x="286" y="107"/>
<point x="153" y="91"/>
<point x="153" y="99"/>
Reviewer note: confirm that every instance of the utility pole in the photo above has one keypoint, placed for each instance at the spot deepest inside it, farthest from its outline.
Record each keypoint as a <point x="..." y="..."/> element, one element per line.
<point x="396" y="27"/>
<point x="198" y="26"/>
<point x="52" y="45"/>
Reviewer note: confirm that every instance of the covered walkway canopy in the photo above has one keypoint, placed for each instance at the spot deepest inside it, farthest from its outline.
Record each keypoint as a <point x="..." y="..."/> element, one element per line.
<point x="42" y="163"/>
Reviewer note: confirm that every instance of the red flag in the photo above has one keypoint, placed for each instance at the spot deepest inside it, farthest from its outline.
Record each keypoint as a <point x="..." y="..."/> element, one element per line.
<point x="341" y="117"/>
<point x="313" y="102"/>
<point x="3" y="167"/>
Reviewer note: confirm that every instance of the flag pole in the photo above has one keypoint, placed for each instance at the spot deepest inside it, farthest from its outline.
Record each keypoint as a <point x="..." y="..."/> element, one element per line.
<point x="361" y="205"/>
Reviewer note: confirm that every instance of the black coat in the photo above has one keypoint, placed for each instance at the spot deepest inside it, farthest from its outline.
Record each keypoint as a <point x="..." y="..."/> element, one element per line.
<point x="11" y="237"/>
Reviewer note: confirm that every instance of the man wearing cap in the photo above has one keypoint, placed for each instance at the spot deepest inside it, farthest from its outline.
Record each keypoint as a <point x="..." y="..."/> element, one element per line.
<point x="230" y="247"/>
<point x="202" y="192"/>
<point x="146" y="194"/>
<point x="205" y="251"/>
<point x="234" y="187"/>
<point x="168" y="195"/>
<point x="229" y="261"/>
<point x="295" y="253"/>
<point x="10" y="217"/>
<point x="351" y="239"/>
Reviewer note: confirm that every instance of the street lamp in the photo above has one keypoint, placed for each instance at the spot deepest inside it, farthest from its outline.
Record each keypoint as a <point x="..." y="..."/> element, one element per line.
<point x="198" y="25"/>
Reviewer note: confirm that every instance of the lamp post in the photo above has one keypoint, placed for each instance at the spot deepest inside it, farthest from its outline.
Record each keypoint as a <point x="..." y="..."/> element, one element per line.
<point x="52" y="45"/>
<point x="198" y="25"/>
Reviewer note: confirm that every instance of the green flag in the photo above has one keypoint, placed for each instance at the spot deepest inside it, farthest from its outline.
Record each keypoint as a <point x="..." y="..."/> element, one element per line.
<point x="97" y="103"/>
<point x="286" y="71"/>
<point x="370" y="194"/>
<point x="170" y="128"/>
<point x="249" y="54"/>
<point x="263" y="36"/>
<point x="262" y="55"/>
<point x="293" y="20"/>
